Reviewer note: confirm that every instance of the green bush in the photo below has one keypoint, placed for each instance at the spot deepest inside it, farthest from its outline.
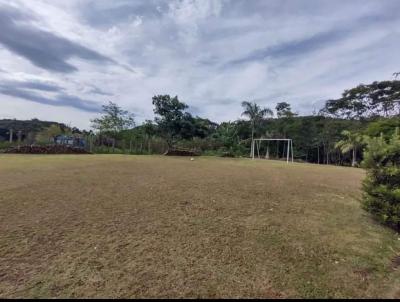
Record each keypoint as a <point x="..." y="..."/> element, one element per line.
<point x="5" y="144"/>
<point x="382" y="185"/>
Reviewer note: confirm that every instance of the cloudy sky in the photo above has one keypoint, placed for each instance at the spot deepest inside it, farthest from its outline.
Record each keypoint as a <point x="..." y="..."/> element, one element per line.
<point x="61" y="60"/>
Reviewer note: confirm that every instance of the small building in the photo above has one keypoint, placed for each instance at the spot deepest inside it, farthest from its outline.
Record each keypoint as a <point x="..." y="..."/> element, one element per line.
<point x="70" y="141"/>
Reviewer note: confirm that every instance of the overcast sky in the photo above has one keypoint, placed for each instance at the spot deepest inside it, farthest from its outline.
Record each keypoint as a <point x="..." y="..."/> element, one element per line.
<point x="61" y="60"/>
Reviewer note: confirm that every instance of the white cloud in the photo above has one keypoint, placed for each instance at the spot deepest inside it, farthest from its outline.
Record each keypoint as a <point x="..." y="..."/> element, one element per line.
<point x="301" y="52"/>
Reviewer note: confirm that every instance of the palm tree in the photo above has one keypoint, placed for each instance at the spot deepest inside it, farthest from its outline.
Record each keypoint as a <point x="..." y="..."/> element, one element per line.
<point x="351" y="142"/>
<point x="255" y="113"/>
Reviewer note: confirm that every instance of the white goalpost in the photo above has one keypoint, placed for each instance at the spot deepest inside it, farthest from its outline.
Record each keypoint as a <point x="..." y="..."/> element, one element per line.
<point x="257" y="143"/>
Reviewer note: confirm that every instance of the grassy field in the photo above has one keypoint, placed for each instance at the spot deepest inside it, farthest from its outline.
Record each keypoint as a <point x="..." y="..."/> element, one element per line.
<point x="147" y="226"/>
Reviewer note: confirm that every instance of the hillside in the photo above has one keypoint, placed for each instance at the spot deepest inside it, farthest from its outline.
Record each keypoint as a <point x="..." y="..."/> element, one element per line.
<point x="26" y="126"/>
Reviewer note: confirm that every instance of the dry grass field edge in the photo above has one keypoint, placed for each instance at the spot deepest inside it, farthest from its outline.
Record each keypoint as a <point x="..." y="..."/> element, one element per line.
<point x="167" y="227"/>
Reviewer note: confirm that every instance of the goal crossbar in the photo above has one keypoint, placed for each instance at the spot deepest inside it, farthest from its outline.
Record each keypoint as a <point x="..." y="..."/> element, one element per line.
<point x="256" y="142"/>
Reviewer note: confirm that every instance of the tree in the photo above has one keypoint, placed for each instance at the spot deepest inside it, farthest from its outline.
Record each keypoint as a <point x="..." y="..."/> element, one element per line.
<point x="170" y="116"/>
<point x="227" y="134"/>
<point x="285" y="117"/>
<point x="351" y="142"/>
<point x="364" y="101"/>
<point x="149" y="130"/>
<point x="203" y="127"/>
<point x="381" y="187"/>
<point x="385" y="126"/>
<point x="113" y="120"/>
<point x="255" y="113"/>
<point x="283" y="109"/>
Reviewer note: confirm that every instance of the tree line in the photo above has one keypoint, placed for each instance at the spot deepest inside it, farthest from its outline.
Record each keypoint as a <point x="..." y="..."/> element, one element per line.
<point x="334" y="135"/>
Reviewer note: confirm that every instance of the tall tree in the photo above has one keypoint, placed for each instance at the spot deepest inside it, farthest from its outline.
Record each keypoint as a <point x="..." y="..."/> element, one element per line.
<point x="285" y="117"/>
<point x="364" y="101"/>
<point x="227" y="134"/>
<point x="350" y="142"/>
<point x="149" y="130"/>
<point x="283" y="109"/>
<point x="255" y="113"/>
<point x="170" y="116"/>
<point x="113" y="120"/>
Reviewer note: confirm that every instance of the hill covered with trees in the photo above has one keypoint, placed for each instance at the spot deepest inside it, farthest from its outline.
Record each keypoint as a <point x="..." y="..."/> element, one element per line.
<point x="27" y="129"/>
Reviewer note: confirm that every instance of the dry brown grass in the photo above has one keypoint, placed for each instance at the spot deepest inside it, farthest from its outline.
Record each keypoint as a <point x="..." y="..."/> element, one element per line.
<point x="138" y="226"/>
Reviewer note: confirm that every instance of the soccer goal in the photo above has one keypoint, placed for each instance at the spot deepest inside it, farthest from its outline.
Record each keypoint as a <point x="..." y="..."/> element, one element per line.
<point x="256" y="144"/>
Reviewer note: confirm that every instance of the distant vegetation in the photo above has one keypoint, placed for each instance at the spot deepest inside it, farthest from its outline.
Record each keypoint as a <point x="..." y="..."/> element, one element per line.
<point x="366" y="110"/>
<point x="29" y="131"/>
<point x="360" y="127"/>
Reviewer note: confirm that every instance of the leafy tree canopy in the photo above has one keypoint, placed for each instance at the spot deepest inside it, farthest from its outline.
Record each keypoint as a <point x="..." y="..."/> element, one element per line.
<point x="167" y="108"/>
<point x="382" y="126"/>
<point x="283" y="109"/>
<point x="113" y="120"/>
<point x="364" y="101"/>
<point x="255" y="112"/>
<point x="351" y="142"/>
<point x="169" y="116"/>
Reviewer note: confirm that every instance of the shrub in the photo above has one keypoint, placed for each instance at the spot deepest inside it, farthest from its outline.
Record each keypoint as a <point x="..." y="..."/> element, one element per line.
<point x="5" y="144"/>
<point x="382" y="185"/>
